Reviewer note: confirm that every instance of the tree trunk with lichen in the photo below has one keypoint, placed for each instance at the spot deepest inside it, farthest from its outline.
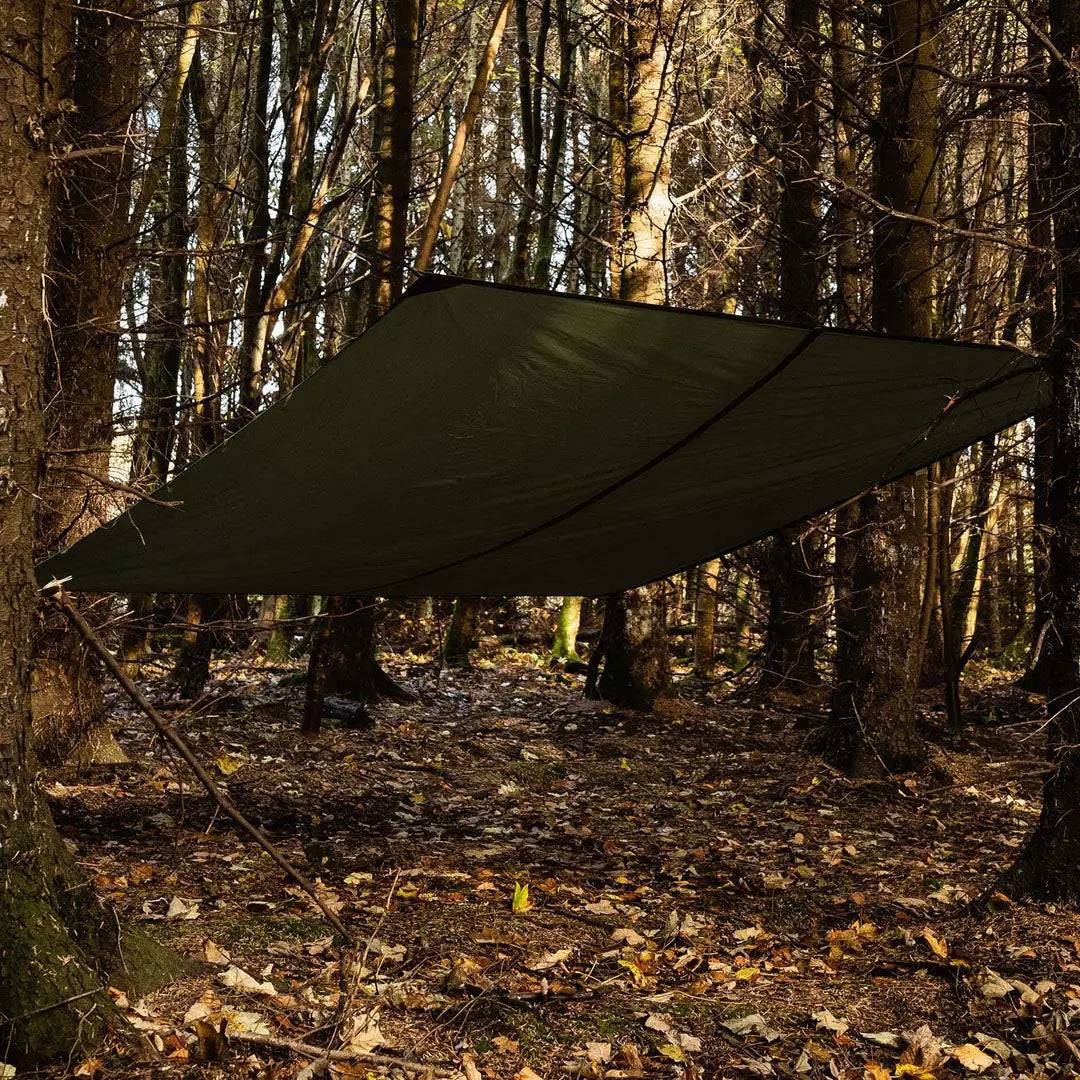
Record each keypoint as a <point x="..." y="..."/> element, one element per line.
<point x="564" y="645"/>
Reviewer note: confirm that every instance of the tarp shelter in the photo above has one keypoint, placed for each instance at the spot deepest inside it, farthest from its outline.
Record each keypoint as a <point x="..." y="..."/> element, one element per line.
<point x="502" y="441"/>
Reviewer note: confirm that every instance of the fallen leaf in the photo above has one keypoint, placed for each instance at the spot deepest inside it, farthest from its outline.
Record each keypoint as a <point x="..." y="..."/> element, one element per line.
<point x="365" y="1035"/>
<point x="676" y="1053"/>
<point x="239" y="979"/>
<point x="916" y="1072"/>
<point x="751" y="1024"/>
<point x="214" y="954"/>
<point x="549" y="960"/>
<point x="600" y="1052"/>
<point x="181" y="908"/>
<point x="972" y="1058"/>
<point x="520" y="904"/>
<point x="883" y="1038"/>
<point x="827" y="1022"/>
<point x="602" y="907"/>
<point x="994" y="987"/>
<point x="939" y="945"/>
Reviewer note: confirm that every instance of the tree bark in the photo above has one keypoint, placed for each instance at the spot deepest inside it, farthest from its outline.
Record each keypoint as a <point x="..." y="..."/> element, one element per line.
<point x="1048" y="867"/>
<point x="85" y="306"/>
<point x="564" y="647"/>
<point x="789" y="637"/>
<point x="1040" y="235"/>
<point x="788" y="662"/>
<point x="345" y="647"/>
<point x="705" y="619"/>
<point x="461" y="634"/>
<point x="53" y="946"/>
<point x="872" y="726"/>
<point x="637" y="669"/>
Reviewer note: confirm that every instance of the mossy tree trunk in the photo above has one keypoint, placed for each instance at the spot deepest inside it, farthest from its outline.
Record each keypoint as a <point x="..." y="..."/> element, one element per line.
<point x="279" y="644"/>
<point x="461" y="633"/>
<point x="564" y="646"/>
<point x="740" y="602"/>
<point x="50" y="997"/>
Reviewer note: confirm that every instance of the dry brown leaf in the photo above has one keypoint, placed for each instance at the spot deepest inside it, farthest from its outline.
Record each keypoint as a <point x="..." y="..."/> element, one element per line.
<point x="972" y="1058"/>
<point x="939" y="946"/>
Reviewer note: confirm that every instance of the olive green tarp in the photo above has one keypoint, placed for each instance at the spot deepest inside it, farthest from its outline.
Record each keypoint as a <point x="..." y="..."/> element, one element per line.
<point x="491" y="440"/>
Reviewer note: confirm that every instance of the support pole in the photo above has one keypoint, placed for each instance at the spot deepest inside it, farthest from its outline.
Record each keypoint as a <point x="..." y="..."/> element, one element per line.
<point x="74" y="616"/>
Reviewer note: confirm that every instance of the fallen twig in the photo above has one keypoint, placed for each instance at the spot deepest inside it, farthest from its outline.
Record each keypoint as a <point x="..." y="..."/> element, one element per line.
<point x="74" y="616"/>
<point x="390" y="1060"/>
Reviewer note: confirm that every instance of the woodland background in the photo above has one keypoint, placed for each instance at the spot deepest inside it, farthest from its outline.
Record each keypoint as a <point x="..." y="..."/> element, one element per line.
<point x="208" y="199"/>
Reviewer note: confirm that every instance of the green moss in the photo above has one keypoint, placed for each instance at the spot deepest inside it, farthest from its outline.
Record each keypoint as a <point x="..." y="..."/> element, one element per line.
<point x="260" y="930"/>
<point x="532" y="774"/>
<point x="144" y="964"/>
<point x="50" y="997"/>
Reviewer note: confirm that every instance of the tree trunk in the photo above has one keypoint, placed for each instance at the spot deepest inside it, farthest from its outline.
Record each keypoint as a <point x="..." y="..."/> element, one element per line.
<point x="461" y="634"/>
<point x="53" y="946"/>
<point x="637" y="668"/>
<point x="705" y="619"/>
<point x="279" y="644"/>
<point x="740" y="644"/>
<point x="564" y="647"/>
<point x="191" y="671"/>
<point x="872" y="726"/>
<point x="789" y="637"/>
<point x="347" y="644"/>
<point x="86" y="301"/>
<point x="1040" y="235"/>
<point x="351" y="668"/>
<point x="1048" y="867"/>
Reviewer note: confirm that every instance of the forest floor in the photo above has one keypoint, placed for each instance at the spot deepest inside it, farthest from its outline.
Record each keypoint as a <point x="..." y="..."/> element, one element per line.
<point x="704" y="896"/>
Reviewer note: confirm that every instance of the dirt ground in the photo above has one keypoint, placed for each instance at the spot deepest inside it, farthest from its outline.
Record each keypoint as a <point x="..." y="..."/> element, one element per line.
<point x="542" y="886"/>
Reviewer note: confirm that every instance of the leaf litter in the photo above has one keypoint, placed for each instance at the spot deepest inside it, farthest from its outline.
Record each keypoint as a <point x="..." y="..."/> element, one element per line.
<point x="548" y="887"/>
